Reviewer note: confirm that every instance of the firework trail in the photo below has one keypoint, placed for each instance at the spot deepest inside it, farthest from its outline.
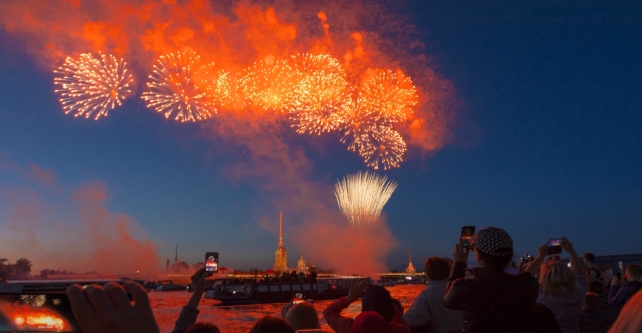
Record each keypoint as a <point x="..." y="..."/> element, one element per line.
<point x="321" y="93"/>
<point x="384" y="147"/>
<point x="270" y="85"/>
<point x="361" y="196"/>
<point x="181" y="84"/>
<point x="391" y="94"/>
<point x="89" y="85"/>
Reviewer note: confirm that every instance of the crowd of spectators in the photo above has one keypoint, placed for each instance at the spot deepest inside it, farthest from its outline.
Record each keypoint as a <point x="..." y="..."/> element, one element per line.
<point x="543" y="294"/>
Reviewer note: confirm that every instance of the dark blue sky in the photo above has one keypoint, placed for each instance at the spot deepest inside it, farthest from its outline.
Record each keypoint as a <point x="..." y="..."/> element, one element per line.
<point x="547" y="142"/>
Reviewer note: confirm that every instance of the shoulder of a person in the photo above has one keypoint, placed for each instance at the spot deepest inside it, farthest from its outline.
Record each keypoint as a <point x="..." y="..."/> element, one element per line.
<point x="462" y="282"/>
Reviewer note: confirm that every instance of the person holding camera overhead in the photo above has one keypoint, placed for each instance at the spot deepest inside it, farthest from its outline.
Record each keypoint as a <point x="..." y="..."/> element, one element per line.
<point x="561" y="288"/>
<point x="496" y="298"/>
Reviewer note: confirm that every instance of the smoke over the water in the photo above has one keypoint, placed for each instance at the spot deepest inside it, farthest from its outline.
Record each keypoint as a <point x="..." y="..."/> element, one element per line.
<point x="364" y="37"/>
<point x="57" y="227"/>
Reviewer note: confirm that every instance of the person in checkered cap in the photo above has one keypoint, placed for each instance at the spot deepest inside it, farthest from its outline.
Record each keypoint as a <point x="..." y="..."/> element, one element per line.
<point x="496" y="298"/>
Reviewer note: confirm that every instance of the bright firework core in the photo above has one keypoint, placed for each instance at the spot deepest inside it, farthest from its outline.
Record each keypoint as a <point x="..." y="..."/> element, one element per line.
<point x="361" y="197"/>
<point x="89" y="85"/>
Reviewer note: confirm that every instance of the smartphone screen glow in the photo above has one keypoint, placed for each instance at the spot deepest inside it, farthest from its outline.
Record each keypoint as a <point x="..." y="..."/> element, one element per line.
<point x="211" y="262"/>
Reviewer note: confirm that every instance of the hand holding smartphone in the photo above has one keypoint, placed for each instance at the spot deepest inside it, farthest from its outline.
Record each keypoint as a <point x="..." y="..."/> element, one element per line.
<point x="211" y="263"/>
<point x="555" y="246"/>
<point x="467" y="232"/>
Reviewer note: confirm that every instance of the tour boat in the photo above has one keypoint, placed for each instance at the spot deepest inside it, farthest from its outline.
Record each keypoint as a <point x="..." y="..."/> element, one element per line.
<point x="169" y="285"/>
<point x="324" y="288"/>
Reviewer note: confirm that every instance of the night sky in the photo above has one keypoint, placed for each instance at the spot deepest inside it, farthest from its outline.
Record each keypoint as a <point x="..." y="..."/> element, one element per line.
<point x="545" y="141"/>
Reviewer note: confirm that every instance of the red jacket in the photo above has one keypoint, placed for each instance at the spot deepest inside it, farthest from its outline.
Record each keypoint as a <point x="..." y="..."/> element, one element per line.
<point x="341" y="324"/>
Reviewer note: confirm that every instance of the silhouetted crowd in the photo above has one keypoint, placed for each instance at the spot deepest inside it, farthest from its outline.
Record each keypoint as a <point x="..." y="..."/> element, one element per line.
<point x="542" y="294"/>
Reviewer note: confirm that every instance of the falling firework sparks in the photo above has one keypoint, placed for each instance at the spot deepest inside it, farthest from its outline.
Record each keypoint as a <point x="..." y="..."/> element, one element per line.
<point x="361" y="196"/>
<point x="270" y="85"/>
<point x="89" y="85"/>
<point x="321" y="94"/>
<point x="384" y="147"/>
<point x="181" y="84"/>
<point x="391" y="94"/>
<point x="357" y="123"/>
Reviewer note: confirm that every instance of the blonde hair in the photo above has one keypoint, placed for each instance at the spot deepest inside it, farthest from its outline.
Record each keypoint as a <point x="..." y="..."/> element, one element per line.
<point x="303" y="316"/>
<point x="557" y="279"/>
<point x="629" y="320"/>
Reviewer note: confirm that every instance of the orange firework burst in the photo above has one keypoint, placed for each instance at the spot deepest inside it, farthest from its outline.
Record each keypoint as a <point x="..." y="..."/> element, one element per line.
<point x="307" y="64"/>
<point x="181" y="84"/>
<point x="393" y="95"/>
<point x="385" y="146"/>
<point x="89" y="85"/>
<point x="229" y="91"/>
<point x="357" y="123"/>
<point x="270" y="85"/>
<point x="321" y="94"/>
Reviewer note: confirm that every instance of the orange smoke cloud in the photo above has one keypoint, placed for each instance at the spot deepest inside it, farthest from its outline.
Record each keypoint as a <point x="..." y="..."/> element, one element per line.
<point x="234" y="37"/>
<point x="73" y="232"/>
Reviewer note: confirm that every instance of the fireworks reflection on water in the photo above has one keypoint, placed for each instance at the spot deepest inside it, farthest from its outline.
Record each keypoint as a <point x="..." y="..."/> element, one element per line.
<point x="231" y="319"/>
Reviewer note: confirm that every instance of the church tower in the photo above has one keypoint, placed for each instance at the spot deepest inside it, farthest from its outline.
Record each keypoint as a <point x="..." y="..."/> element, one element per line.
<point x="410" y="268"/>
<point x="280" y="255"/>
<point x="301" y="264"/>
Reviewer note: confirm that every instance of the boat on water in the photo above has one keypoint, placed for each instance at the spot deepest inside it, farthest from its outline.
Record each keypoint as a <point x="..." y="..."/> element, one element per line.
<point x="240" y="293"/>
<point x="169" y="285"/>
<point x="392" y="279"/>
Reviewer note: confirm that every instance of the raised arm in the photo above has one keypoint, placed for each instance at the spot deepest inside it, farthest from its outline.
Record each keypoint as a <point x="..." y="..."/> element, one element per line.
<point x="576" y="267"/>
<point x="190" y="312"/>
<point x="533" y="266"/>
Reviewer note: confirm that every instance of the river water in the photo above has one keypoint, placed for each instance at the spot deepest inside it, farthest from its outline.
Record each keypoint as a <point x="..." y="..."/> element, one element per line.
<point x="167" y="306"/>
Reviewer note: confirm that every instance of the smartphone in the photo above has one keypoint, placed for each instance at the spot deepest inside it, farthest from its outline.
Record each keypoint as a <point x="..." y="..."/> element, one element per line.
<point x="467" y="233"/>
<point x="555" y="246"/>
<point x="37" y="312"/>
<point x="211" y="263"/>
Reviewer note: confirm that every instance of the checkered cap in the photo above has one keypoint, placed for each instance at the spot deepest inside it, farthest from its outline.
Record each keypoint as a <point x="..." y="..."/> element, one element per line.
<point x="493" y="241"/>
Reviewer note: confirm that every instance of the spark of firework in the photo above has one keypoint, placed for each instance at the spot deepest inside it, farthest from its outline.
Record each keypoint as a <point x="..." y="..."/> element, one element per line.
<point x="89" y="85"/>
<point x="228" y="91"/>
<point x="361" y="196"/>
<point x="384" y="147"/>
<point x="270" y="85"/>
<point x="393" y="95"/>
<point x="321" y="94"/>
<point x="357" y="123"/>
<point x="307" y="64"/>
<point x="181" y="84"/>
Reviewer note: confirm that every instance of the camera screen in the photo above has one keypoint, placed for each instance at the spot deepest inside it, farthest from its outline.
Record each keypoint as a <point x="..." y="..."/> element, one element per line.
<point x="36" y="313"/>
<point x="555" y="242"/>
<point x="467" y="232"/>
<point x="211" y="262"/>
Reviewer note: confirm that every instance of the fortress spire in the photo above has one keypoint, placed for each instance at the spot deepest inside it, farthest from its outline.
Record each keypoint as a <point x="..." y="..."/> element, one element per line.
<point x="280" y="229"/>
<point x="280" y="255"/>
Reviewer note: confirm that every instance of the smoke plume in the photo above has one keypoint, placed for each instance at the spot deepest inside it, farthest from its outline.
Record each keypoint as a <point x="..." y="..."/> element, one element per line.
<point x="72" y="229"/>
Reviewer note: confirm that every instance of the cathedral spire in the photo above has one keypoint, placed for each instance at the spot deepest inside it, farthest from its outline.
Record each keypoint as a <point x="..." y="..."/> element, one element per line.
<point x="280" y="255"/>
<point x="280" y="229"/>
